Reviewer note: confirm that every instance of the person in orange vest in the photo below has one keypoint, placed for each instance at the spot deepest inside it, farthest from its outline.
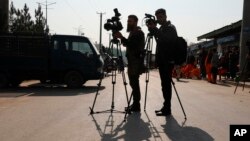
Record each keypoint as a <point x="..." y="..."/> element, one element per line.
<point x="209" y="66"/>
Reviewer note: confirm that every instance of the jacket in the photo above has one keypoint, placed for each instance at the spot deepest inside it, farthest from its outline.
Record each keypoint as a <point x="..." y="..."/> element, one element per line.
<point x="135" y="51"/>
<point x="166" y="37"/>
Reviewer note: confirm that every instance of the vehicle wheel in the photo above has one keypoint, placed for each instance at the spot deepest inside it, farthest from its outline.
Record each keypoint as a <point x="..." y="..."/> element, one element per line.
<point x="15" y="83"/>
<point x="74" y="79"/>
<point x="3" y="80"/>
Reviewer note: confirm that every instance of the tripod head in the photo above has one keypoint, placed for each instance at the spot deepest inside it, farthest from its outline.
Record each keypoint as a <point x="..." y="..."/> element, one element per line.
<point x="150" y="35"/>
<point x="115" y="41"/>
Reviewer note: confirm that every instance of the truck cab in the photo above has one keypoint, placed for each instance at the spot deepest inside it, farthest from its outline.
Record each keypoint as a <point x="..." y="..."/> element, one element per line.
<point x="75" y="59"/>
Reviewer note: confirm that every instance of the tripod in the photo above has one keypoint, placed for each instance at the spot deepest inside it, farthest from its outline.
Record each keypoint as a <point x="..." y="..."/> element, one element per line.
<point x="185" y="116"/>
<point x="149" y="45"/>
<point x="148" y="52"/>
<point x="241" y="75"/>
<point x="117" y="63"/>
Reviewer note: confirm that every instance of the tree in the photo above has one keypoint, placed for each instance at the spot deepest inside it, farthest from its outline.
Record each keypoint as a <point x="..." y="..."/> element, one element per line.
<point x="21" y="20"/>
<point x="40" y="22"/>
<point x="12" y="17"/>
<point x="25" y="20"/>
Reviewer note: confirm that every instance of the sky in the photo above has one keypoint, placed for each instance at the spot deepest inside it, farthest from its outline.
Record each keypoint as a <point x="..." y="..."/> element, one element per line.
<point x="192" y="18"/>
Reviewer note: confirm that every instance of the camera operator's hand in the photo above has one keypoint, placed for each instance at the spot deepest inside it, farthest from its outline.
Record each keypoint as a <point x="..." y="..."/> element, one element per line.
<point x="117" y="35"/>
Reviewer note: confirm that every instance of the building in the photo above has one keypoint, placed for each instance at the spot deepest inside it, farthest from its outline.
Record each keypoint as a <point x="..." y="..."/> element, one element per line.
<point x="223" y="37"/>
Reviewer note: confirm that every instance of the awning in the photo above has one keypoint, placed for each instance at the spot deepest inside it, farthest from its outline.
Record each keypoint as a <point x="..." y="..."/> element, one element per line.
<point x="224" y="31"/>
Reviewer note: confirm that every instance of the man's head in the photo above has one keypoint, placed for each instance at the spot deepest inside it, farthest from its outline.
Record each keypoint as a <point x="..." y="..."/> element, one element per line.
<point x="161" y="16"/>
<point x="132" y="23"/>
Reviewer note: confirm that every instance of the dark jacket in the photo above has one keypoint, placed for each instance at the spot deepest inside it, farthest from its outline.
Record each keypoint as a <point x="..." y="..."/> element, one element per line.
<point x="135" y="50"/>
<point x="166" y="37"/>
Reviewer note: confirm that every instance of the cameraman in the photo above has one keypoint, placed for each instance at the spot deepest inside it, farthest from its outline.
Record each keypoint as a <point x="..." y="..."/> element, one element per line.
<point x="134" y="52"/>
<point x="166" y="37"/>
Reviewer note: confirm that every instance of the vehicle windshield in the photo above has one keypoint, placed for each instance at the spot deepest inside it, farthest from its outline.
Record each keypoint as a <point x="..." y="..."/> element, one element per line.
<point x="95" y="48"/>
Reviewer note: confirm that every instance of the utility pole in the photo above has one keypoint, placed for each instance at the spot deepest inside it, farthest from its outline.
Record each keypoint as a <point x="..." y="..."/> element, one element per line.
<point x="245" y="34"/>
<point x="79" y="30"/>
<point x="46" y="4"/>
<point x="100" y="42"/>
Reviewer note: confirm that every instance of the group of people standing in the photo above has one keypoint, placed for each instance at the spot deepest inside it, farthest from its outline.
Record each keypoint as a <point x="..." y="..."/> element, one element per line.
<point x="213" y="64"/>
<point x="165" y="36"/>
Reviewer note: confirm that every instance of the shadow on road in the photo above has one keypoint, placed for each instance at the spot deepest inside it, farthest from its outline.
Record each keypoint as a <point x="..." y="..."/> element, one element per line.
<point x="176" y="132"/>
<point x="134" y="129"/>
<point x="47" y="90"/>
<point x="223" y="84"/>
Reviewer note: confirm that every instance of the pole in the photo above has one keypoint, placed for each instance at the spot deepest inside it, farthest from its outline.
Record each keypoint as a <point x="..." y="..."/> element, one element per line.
<point x="245" y="34"/>
<point x="109" y="37"/>
<point x="100" y="40"/>
<point x="46" y="21"/>
<point x="46" y="9"/>
<point x="4" y="15"/>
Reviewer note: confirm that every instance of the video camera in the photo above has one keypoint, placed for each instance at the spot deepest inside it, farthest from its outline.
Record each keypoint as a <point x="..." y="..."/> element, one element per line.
<point x="114" y="23"/>
<point x="150" y="19"/>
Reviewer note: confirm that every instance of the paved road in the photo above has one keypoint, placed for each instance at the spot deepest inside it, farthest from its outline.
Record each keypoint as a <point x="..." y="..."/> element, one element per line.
<point x="37" y="112"/>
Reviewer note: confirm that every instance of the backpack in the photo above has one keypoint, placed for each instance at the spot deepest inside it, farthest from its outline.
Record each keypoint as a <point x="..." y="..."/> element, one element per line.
<point x="180" y="51"/>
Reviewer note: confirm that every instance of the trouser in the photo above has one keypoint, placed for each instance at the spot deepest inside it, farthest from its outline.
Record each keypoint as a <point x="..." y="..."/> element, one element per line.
<point x="134" y="83"/>
<point x="203" y="70"/>
<point x="233" y="71"/>
<point x="214" y="71"/>
<point x="166" y="79"/>
<point x="178" y="71"/>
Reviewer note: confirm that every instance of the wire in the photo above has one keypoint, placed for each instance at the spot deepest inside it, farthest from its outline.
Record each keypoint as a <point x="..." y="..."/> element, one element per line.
<point x="76" y="13"/>
<point x="93" y="5"/>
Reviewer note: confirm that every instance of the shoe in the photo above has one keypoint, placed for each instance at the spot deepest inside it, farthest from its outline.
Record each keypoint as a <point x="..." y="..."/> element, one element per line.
<point x="163" y="112"/>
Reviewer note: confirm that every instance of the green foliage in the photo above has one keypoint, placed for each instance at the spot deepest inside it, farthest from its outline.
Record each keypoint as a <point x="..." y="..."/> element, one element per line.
<point x="40" y="21"/>
<point x="21" y="20"/>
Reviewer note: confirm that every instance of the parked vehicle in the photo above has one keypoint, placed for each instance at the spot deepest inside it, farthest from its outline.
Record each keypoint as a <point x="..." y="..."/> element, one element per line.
<point x="63" y="59"/>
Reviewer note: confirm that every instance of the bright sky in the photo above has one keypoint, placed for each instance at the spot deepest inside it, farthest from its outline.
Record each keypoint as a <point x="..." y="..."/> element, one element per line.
<point x="192" y="18"/>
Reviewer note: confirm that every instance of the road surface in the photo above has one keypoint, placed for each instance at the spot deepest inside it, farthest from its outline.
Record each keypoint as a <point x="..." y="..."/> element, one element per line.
<point x="36" y="112"/>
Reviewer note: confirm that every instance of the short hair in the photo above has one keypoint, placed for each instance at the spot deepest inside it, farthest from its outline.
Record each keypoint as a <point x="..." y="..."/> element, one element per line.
<point x="161" y="11"/>
<point x="133" y="17"/>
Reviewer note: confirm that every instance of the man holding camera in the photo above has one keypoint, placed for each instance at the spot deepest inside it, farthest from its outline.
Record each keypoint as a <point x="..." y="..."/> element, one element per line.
<point x="166" y="37"/>
<point x="134" y="52"/>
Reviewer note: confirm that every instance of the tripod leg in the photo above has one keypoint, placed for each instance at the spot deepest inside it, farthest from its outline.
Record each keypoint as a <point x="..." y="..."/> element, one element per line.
<point x="241" y="74"/>
<point x="125" y="85"/>
<point x="113" y="89"/>
<point x="179" y="99"/>
<point x="127" y="111"/>
<point x="236" y="86"/>
<point x="97" y="92"/>
<point x="146" y="91"/>
<point x="149" y="45"/>
<point x="244" y="84"/>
